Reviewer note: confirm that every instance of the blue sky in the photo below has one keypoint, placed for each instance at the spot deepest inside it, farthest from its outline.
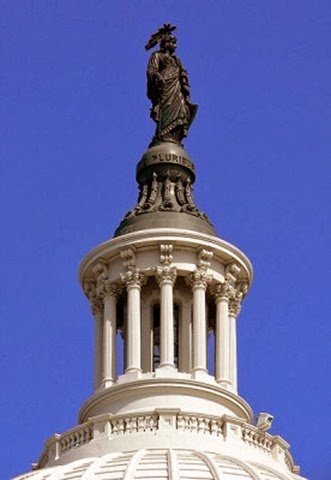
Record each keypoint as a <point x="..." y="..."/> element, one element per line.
<point x="74" y="123"/>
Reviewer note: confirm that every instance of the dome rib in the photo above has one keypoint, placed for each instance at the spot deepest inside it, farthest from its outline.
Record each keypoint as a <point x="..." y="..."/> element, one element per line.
<point x="61" y="472"/>
<point x="133" y="463"/>
<point x="245" y="466"/>
<point x="89" y="474"/>
<point x="214" y="468"/>
<point x="172" y="465"/>
<point x="265" y="468"/>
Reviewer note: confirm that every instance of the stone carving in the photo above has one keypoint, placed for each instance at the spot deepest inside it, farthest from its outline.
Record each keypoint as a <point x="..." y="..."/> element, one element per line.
<point x="231" y="273"/>
<point x="231" y="289"/>
<point x="129" y="258"/>
<point x="168" y="89"/>
<point x="204" y="257"/>
<point x="198" y="279"/>
<point x="236" y="298"/>
<point x="166" y="253"/>
<point x="90" y="291"/>
<point x="249" y="435"/>
<point x="143" y="192"/>
<point x="100" y="270"/>
<point x="133" y="278"/>
<point x="165" y="274"/>
<point x="256" y="438"/>
<point x="234" y="305"/>
<point x="76" y="438"/>
<point x="166" y="195"/>
<point x="227" y="289"/>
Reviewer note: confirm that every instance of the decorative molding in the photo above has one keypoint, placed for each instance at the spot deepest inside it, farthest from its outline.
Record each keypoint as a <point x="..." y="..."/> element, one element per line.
<point x="133" y="278"/>
<point x="223" y="291"/>
<point x="110" y="288"/>
<point x="198" y="279"/>
<point x="204" y="258"/>
<point x="224" y="427"/>
<point x="230" y="289"/>
<point x="236" y="298"/>
<point x="231" y="273"/>
<point x="100" y="271"/>
<point x="90" y="291"/>
<point x="165" y="274"/>
<point x="129" y="258"/>
<point x="166" y="253"/>
<point x="76" y="438"/>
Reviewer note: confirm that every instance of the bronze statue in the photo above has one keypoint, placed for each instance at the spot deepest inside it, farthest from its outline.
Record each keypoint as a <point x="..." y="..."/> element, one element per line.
<point x="168" y="89"/>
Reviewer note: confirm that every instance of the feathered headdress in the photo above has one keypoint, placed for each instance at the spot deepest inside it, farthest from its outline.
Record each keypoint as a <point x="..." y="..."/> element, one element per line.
<point x="157" y="36"/>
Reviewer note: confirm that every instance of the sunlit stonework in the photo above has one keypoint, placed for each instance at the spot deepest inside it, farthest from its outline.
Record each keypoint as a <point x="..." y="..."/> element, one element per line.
<point x="165" y="293"/>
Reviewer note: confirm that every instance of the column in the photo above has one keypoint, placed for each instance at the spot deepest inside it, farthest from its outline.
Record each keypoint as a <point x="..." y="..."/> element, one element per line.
<point x="134" y="282"/>
<point x="97" y="310"/>
<point x="185" y="336"/>
<point x="198" y="280"/>
<point x="234" y="311"/>
<point x="110" y="294"/>
<point x="166" y="277"/>
<point x="146" y="332"/>
<point x="222" y="335"/>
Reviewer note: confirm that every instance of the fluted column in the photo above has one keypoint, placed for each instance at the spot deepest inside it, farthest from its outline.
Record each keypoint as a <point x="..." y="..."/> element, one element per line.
<point x="134" y="282"/>
<point x="198" y="280"/>
<point x="166" y="277"/>
<point x="222" y="335"/>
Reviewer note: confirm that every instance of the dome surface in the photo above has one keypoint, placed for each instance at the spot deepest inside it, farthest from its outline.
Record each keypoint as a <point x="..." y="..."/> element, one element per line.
<point x="159" y="464"/>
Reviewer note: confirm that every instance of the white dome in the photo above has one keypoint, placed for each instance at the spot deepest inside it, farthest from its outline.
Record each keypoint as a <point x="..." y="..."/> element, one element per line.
<point x="159" y="465"/>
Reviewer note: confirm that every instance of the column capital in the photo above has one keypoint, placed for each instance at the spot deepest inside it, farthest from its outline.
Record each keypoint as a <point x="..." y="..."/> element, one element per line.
<point x="165" y="275"/>
<point x="198" y="279"/>
<point x="107" y="288"/>
<point x="96" y="303"/>
<point x="235" y="301"/>
<point x="97" y="306"/>
<point x="133" y="278"/>
<point x="234" y="306"/>
<point x="223" y="291"/>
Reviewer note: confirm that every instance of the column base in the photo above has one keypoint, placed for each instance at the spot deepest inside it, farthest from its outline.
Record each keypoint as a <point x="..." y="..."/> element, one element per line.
<point x="130" y="375"/>
<point x="202" y="374"/>
<point x="167" y="371"/>
<point x="108" y="382"/>
<point x="224" y="384"/>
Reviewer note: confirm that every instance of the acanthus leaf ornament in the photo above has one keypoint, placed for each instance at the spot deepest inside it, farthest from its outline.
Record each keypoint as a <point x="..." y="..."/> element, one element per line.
<point x="166" y="274"/>
<point x="198" y="279"/>
<point x="133" y="278"/>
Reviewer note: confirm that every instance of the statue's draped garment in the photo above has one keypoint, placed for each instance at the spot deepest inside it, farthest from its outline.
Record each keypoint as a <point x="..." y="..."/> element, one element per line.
<point x="170" y="107"/>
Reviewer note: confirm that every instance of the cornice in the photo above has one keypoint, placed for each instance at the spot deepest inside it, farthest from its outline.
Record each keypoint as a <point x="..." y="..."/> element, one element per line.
<point x="112" y="247"/>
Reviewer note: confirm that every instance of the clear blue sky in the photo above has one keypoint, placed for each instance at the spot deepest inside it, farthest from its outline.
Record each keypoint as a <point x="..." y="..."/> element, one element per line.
<point x="74" y="122"/>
